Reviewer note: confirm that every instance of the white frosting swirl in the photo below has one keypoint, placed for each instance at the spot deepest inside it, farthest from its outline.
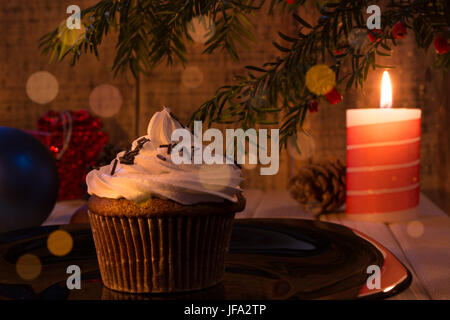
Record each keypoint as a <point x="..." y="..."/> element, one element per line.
<point x="152" y="176"/>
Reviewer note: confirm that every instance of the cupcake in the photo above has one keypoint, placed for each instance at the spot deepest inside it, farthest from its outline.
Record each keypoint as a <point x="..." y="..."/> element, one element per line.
<point x="159" y="226"/>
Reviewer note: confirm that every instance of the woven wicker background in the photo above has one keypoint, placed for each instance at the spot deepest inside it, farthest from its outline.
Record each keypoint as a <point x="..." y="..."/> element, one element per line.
<point x="22" y="22"/>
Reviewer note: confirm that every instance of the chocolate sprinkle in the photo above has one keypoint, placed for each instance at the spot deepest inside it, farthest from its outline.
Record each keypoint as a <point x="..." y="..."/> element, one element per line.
<point x="168" y="146"/>
<point x="161" y="157"/>
<point x="113" y="170"/>
<point x="128" y="157"/>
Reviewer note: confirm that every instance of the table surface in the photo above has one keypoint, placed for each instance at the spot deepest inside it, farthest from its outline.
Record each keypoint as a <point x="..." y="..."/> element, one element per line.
<point x="423" y="245"/>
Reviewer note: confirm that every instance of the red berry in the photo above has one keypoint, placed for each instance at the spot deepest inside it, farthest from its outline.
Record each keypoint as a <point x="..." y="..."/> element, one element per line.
<point x="441" y="45"/>
<point x="333" y="96"/>
<point x="290" y="1"/>
<point x="399" y="30"/>
<point x="374" y="35"/>
<point x="339" y="52"/>
<point x="313" y="105"/>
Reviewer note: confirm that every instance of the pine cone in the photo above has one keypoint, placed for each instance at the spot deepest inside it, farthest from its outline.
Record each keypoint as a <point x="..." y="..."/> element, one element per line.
<point x="319" y="188"/>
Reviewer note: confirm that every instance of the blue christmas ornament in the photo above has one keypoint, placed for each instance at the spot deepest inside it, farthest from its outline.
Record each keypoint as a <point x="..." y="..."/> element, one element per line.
<point x="28" y="180"/>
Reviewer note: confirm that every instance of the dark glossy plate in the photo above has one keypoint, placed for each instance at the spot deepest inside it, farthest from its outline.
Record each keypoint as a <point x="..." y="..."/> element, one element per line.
<point x="268" y="259"/>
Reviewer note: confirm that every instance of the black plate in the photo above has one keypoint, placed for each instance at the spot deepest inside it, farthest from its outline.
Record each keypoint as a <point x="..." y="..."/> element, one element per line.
<point x="268" y="259"/>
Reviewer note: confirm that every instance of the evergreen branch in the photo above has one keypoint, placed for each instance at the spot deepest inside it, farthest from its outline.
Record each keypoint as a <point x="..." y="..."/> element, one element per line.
<point x="150" y="32"/>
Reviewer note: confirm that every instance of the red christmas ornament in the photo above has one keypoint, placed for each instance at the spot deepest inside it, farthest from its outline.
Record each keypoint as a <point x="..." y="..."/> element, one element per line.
<point x="399" y="30"/>
<point x="374" y="35"/>
<point x="75" y="140"/>
<point x="441" y="45"/>
<point x="313" y="105"/>
<point x="333" y="96"/>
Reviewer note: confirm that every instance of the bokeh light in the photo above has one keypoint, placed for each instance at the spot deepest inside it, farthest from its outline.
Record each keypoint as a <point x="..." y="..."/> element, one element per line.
<point x="192" y="77"/>
<point x="42" y="87"/>
<point x="105" y="100"/>
<point x="28" y="266"/>
<point x="415" y="229"/>
<point x="358" y="38"/>
<point x="60" y="243"/>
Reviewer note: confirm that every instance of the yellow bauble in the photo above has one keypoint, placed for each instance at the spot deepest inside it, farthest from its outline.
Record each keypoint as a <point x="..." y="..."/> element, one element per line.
<point x="320" y="79"/>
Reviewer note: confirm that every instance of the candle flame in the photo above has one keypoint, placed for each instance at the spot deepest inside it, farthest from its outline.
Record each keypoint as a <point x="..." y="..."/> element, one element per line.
<point x="386" y="91"/>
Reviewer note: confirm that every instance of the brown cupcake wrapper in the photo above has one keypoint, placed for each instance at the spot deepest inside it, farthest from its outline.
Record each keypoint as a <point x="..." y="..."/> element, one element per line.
<point x="161" y="254"/>
<point x="212" y="293"/>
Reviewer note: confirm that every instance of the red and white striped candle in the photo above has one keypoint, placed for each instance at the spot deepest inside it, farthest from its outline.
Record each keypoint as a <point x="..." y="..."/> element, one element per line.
<point x="383" y="161"/>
